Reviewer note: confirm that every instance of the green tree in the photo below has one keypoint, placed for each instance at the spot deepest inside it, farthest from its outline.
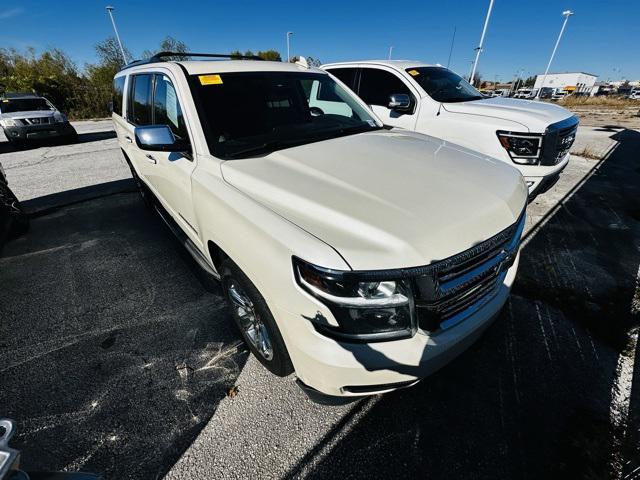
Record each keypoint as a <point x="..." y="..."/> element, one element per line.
<point x="169" y="44"/>
<point x="270" y="55"/>
<point x="108" y="52"/>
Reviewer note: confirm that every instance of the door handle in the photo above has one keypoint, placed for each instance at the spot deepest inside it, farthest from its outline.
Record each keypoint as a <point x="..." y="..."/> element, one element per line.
<point x="128" y="139"/>
<point x="150" y="158"/>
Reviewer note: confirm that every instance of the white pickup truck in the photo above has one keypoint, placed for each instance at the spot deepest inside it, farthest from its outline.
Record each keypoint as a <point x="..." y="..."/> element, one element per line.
<point x="360" y="257"/>
<point x="533" y="136"/>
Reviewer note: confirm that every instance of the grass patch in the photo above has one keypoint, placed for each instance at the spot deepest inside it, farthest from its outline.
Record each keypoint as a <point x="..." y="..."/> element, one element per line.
<point x="604" y="101"/>
<point x="587" y="152"/>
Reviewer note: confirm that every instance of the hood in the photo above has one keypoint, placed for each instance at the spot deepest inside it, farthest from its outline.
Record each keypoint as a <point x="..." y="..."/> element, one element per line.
<point x="534" y="115"/>
<point x="28" y="114"/>
<point x="385" y="199"/>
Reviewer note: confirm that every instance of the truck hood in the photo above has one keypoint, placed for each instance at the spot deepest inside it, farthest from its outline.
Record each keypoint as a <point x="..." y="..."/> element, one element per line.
<point x="28" y="114"/>
<point x="385" y="199"/>
<point x="533" y="115"/>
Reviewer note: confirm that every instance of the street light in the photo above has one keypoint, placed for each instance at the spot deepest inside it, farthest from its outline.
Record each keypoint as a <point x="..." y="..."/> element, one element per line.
<point x="390" y="52"/>
<point x="566" y="14"/>
<point x="479" y="48"/>
<point x="288" y="48"/>
<point x="113" y="22"/>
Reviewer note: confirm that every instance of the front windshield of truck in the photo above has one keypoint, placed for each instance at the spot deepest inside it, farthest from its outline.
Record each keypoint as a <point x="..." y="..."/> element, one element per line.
<point x="443" y="85"/>
<point x="247" y="114"/>
<point x="10" y="105"/>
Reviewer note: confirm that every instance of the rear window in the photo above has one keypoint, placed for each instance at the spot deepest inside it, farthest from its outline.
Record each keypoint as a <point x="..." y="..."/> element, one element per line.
<point x="140" y="100"/>
<point x="118" y="93"/>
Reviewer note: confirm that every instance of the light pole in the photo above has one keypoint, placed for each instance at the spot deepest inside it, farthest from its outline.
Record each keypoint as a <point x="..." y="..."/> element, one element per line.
<point x="479" y="49"/>
<point x="390" y="52"/>
<point x="288" y="46"/>
<point x="115" y="29"/>
<point x="453" y="39"/>
<point x="566" y="14"/>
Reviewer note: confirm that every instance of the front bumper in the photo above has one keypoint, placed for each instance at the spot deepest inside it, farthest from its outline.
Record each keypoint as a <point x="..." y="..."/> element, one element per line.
<point x="38" y="132"/>
<point x="540" y="178"/>
<point x="338" y="369"/>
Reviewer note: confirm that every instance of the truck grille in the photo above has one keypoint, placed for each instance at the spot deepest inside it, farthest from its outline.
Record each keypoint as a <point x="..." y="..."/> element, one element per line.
<point x="460" y="285"/>
<point x="558" y="140"/>
<point x="39" y="120"/>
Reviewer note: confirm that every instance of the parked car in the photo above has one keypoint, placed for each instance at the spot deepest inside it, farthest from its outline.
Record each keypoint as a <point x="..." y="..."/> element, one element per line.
<point x="26" y="116"/>
<point x="535" y="137"/>
<point x="13" y="220"/>
<point x="526" y="93"/>
<point x="634" y="94"/>
<point x="361" y="257"/>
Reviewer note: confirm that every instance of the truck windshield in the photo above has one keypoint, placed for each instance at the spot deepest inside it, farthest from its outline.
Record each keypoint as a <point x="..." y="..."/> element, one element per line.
<point x="246" y="114"/>
<point x="443" y="85"/>
<point x="9" y="105"/>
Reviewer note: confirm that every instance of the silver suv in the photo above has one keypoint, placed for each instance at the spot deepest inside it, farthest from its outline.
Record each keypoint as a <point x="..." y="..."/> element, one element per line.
<point x="26" y="116"/>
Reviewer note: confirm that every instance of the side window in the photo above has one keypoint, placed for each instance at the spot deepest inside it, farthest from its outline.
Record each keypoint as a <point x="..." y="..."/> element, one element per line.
<point x="166" y="108"/>
<point x="118" y="92"/>
<point x="345" y="75"/>
<point x="376" y="86"/>
<point x="139" y="112"/>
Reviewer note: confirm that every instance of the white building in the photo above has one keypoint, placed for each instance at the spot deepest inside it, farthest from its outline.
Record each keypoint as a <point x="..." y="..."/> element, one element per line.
<point x="578" y="82"/>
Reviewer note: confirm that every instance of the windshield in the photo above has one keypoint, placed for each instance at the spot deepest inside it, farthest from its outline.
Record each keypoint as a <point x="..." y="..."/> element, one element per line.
<point x="443" y="85"/>
<point x="252" y="113"/>
<point x="8" y="105"/>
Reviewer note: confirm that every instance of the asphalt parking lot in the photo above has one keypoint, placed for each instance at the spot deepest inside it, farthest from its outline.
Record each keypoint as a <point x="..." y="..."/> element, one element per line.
<point x="115" y="358"/>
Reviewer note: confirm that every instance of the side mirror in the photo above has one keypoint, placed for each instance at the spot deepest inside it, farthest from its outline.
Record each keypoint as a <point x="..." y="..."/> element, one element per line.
<point x="159" y="138"/>
<point x="400" y="102"/>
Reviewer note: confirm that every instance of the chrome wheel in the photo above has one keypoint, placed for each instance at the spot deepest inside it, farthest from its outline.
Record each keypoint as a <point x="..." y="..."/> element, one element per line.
<point x="254" y="329"/>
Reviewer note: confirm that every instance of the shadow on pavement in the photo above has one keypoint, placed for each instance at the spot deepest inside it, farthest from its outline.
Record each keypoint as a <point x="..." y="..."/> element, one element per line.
<point x="112" y="354"/>
<point x="532" y="398"/>
<point x="6" y="147"/>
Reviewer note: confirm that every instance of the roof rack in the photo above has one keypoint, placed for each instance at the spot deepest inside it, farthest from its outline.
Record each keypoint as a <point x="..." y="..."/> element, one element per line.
<point x="162" y="56"/>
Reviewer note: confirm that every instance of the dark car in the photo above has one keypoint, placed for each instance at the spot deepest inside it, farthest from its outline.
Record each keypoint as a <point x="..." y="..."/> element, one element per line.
<point x="26" y="116"/>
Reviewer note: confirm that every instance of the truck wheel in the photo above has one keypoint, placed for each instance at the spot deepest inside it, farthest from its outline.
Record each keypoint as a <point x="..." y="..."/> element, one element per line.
<point x="254" y="320"/>
<point x="15" y="220"/>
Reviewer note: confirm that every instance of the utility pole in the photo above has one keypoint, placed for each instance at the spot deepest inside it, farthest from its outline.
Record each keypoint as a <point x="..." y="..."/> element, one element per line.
<point x="115" y="29"/>
<point x="566" y="14"/>
<point x="390" y="52"/>
<point x="479" y="49"/>
<point x="453" y="38"/>
<point x="288" y="46"/>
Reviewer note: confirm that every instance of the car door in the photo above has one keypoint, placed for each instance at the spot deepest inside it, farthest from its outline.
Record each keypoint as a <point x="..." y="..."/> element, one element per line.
<point x="138" y="114"/>
<point x="376" y="85"/>
<point x="170" y="172"/>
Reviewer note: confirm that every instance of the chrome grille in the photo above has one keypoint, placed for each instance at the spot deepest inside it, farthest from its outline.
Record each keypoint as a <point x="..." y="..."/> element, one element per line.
<point x="558" y="140"/>
<point x="458" y="286"/>
<point x="39" y="120"/>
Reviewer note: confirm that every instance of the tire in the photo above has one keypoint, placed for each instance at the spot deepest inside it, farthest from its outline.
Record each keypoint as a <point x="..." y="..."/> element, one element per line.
<point x="235" y="282"/>
<point x="13" y="221"/>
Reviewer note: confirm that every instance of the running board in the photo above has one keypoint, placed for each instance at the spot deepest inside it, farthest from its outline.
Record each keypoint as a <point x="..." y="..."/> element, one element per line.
<point x="187" y="242"/>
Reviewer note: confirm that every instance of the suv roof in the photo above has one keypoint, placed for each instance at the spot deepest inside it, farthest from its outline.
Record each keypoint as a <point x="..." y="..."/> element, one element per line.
<point x="20" y="95"/>
<point x="397" y="64"/>
<point x="234" y="63"/>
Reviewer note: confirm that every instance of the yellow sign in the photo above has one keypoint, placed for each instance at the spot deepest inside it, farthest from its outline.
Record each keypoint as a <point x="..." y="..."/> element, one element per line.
<point x="414" y="73"/>
<point x="210" y="79"/>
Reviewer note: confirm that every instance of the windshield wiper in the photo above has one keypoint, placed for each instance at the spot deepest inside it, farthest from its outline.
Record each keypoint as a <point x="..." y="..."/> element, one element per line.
<point x="265" y="147"/>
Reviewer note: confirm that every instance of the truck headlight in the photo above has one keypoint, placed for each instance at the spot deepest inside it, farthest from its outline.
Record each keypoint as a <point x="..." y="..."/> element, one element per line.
<point x="59" y="117"/>
<point x="368" y="306"/>
<point x="7" y="122"/>
<point x="523" y="148"/>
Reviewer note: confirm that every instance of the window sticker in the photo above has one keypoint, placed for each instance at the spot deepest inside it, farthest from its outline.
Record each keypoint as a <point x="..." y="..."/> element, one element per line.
<point x="210" y="79"/>
<point x="413" y="73"/>
<point x="371" y="123"/>
<point x="172" y="105"/>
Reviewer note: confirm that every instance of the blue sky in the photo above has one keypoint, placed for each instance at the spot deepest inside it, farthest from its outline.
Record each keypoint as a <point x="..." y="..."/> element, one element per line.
<point x="601" y="38"/>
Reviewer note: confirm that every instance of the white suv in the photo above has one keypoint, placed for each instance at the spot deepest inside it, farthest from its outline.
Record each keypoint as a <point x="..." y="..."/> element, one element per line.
<point x="533" y="136"/>
<point x="360" y="257"/>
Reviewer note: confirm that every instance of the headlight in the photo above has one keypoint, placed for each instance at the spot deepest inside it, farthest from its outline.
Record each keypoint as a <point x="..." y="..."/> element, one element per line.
<point x="368" y="306"/>
<point x="523" y="148"/>
<point x="59" y="117"/>
<point x="8" y="122"/>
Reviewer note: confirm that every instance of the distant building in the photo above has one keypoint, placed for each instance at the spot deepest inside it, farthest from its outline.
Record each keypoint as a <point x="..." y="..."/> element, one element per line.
<point x="578" y="82"/>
